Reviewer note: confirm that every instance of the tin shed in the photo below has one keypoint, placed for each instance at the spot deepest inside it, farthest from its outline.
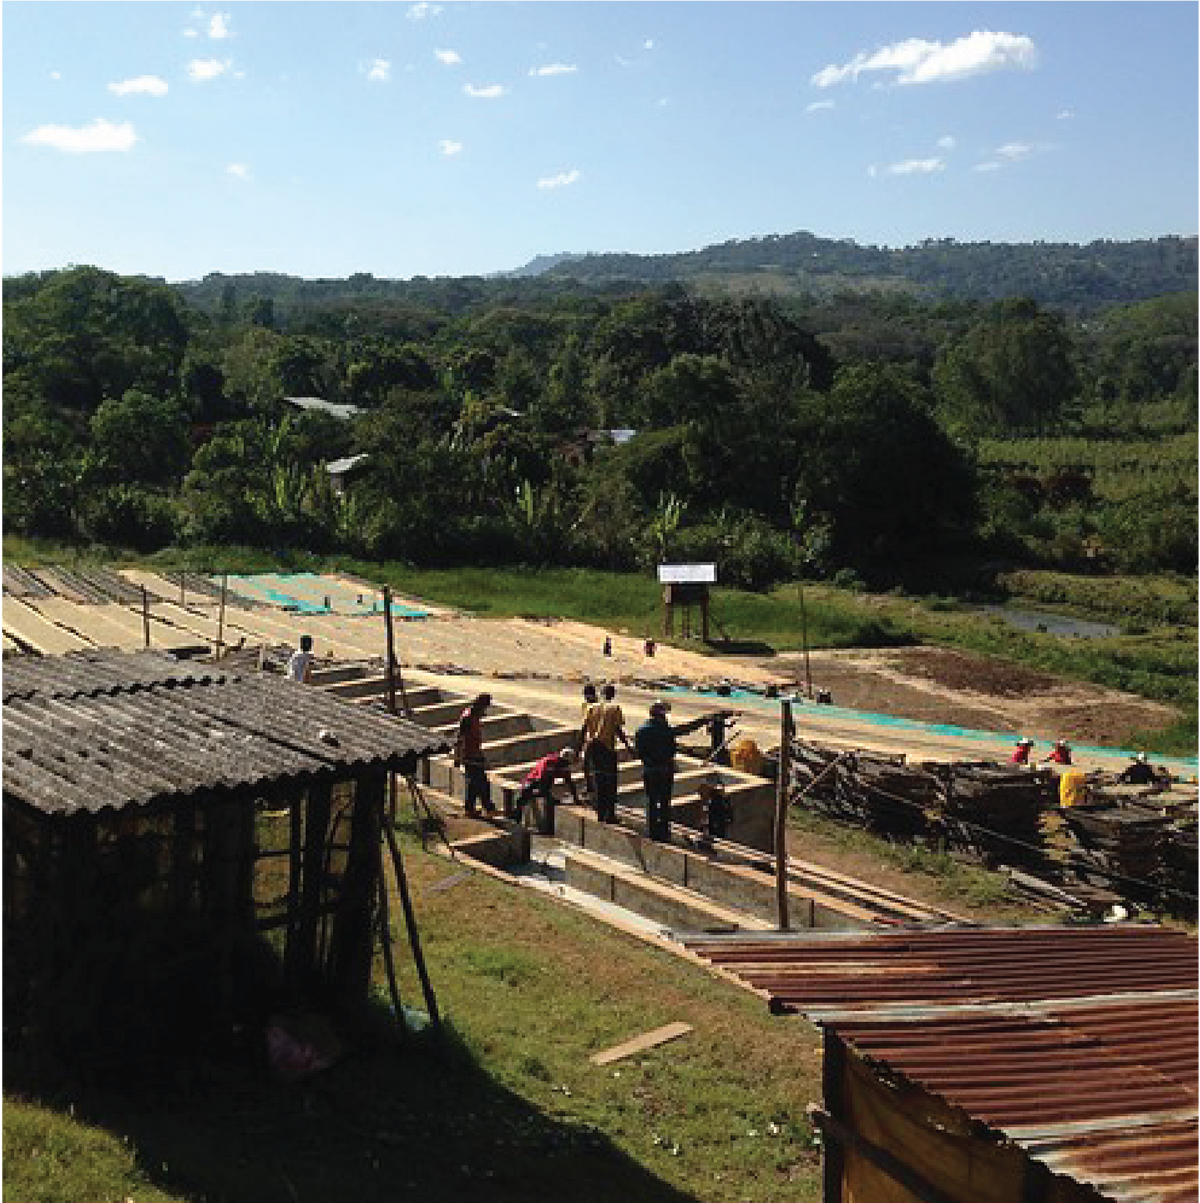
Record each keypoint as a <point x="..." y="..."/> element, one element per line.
<point x="186" y="847"/>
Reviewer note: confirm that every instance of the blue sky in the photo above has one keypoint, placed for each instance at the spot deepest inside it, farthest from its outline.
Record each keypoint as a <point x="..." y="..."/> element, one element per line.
<point x="325" y="138"/>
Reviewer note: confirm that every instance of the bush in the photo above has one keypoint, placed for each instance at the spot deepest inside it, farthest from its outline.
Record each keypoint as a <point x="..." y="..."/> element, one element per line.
<point x="749" y="552"/>
<point x="130" y="516"/>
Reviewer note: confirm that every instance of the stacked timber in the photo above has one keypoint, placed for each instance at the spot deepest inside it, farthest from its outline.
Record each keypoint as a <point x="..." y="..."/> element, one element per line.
<point x="897" y="801"/>
<point x="875" y="791"/>
<point x="814" y="771"/>
<point x="1124" y="841"/>
<point x="994" y="811"/>
<point x="1179" y="870"/>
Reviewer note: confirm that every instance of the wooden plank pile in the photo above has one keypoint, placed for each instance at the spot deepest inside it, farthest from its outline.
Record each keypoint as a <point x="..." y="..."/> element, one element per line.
<point x="1124" y="841"/>
<point x="1138" y="842"/>
<point x="994" y="811"/>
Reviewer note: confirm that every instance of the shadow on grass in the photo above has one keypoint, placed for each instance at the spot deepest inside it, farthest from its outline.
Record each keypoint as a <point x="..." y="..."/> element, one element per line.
<point x="395" y="1120"/>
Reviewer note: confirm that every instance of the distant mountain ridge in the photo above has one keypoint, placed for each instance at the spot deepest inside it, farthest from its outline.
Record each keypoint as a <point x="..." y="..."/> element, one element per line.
<point x="1100" y="272"/>
<point x="1082" y="279"/>
<point x="540" y="264"/>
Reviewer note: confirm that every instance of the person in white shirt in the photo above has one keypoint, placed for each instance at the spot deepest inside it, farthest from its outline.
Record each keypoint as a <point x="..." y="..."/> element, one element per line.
<point x="299" y="667"/>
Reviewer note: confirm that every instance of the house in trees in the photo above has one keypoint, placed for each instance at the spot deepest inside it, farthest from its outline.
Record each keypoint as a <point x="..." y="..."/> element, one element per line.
<point x="186" y="850"/>
<point x="342" y="471"/>
<point x="336" y="409"/>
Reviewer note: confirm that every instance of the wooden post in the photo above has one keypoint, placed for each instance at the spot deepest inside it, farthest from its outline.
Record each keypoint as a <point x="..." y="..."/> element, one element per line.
<point x="182" y="589"/>
<point x="391" y="655"/>
<point x="804" y="643"/>
<point x="410" y="919"/>
<point x="146" y="615"/>
<point x="394" y="676"/>
<point x="781" y="809"/>
<point x="221" y="615"/>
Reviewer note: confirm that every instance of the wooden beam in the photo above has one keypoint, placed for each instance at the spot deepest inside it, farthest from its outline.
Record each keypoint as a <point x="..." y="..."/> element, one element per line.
<point x="781" y="808"/>
<point x="671" y="1031"/>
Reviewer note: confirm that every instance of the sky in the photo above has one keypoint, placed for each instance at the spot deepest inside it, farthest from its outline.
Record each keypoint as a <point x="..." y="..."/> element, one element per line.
<point x="327" y="137"/>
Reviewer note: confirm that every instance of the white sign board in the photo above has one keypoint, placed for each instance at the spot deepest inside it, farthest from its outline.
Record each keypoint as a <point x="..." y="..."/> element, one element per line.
<point x="687" y="574"/>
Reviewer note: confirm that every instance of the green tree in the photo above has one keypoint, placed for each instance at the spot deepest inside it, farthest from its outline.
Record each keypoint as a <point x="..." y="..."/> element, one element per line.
<point x="137" y="437"/>
<point x="81" y="335"/>
<point x="879" y="475"/>
<point x="1012" y="371"/>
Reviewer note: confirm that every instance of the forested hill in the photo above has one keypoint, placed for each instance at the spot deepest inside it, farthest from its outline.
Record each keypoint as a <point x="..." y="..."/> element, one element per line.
<point x="1065" y="274"/>
<point x="1080" y="279"/>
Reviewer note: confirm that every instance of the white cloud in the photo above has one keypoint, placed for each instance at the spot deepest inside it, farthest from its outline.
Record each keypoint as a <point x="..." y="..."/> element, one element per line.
<point x="239" y="170"/>
<point x="562" y="180"/>
<point x="190" y="33"/>
<point x="990" y="165"/>
<point x="554" y="69"/>
<point x="947" y="143"/>
<point x="378" y="70"/>
<point x="450" y="57"/>
<point x="418" y="12"/>
<point x="202" y="69"/>
<point x="218" y="27"/>
<point x="56" y="75"/>
<point x="919" y="62"/>
<point x="149" y="85"/>
<point x="1065" y="115"/>
<point x="622" y="62"/>
<point x="648" y="44"/>
<point x="99" y="135"/>
<point x="490" y="92"/>
<point x="1014" y="152"/>
<point x="909" y="167"/>
<point x="818" y="105"/>
<point x="448" y="148"/>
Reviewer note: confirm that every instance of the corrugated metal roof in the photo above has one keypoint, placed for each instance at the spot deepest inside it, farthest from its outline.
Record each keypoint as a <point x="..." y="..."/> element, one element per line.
<point x="1080" y="1044"/>
<point x="926" y="968"/>
<point x="139" y="744"/>
<point x="98" y="672"/>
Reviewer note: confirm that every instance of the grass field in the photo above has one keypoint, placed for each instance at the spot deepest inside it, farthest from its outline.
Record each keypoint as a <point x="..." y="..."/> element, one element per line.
<point x="508" y="1106"/>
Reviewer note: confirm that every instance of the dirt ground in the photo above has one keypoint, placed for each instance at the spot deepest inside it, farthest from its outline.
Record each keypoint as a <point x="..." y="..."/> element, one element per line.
<point x="936" y="685"/>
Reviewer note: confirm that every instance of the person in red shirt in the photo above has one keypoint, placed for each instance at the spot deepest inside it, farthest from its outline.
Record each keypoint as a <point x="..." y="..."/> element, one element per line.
<point x="468" y="755"/>
<point x="1060" y="753"/>
<point x="1021" y="752"/>
<point x="541" y="778"/>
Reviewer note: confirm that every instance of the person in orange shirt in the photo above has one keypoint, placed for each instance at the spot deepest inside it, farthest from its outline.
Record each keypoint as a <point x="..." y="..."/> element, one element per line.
<point x="605" y="724"/>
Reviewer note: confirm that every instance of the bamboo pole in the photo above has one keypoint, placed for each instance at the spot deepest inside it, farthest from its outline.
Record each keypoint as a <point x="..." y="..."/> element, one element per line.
<point x="410" y="920"/>
<point x="146" y="615"/>
<point x="385" y="920"/>
<point x="781" y="807"/>
<point x="221" y="615"/>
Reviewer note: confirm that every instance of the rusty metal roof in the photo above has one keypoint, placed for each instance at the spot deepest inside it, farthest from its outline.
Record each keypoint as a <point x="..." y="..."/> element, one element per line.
<point x="141" y="744"/>
<point x="1080" y="1044"/>
<point x="840" y="972"/>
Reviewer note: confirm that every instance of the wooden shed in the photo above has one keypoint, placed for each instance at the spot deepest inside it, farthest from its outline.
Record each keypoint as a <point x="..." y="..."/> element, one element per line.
<point x="186" y="849"/>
